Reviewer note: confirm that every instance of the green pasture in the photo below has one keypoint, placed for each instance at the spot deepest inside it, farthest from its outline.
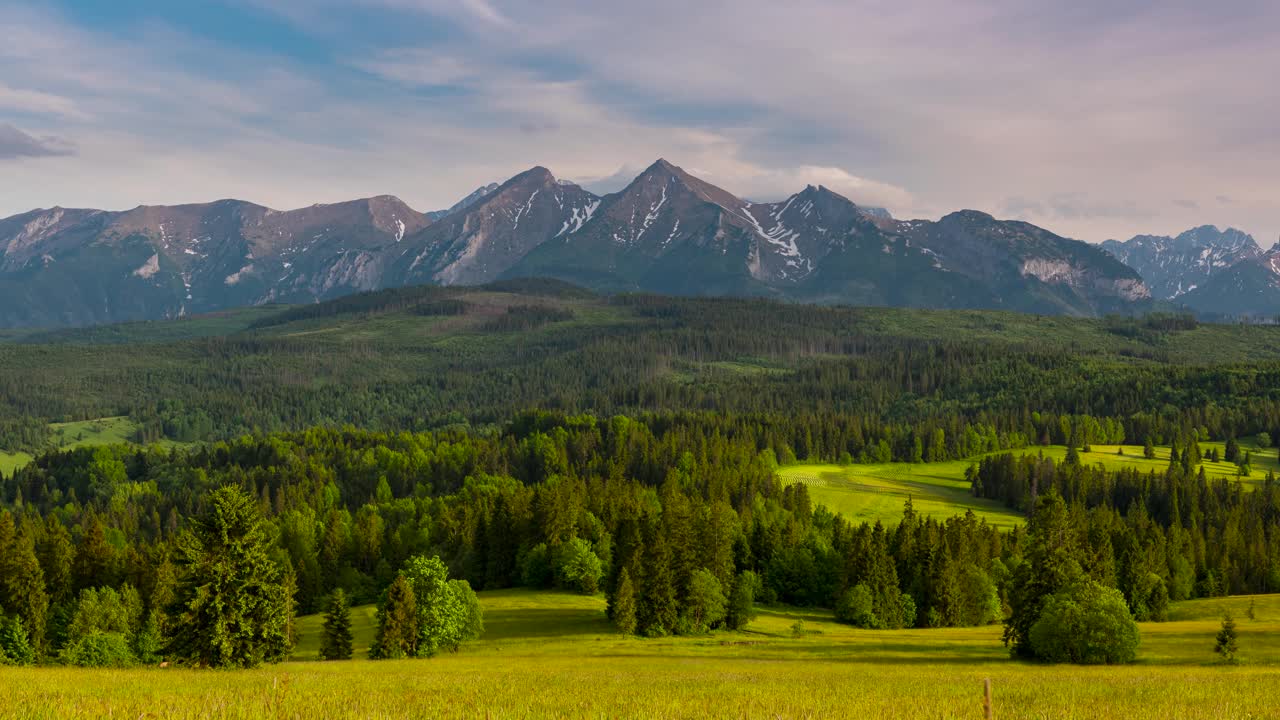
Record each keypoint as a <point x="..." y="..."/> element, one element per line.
<point x="555" y="655"/>
<point x="877" y="492"/>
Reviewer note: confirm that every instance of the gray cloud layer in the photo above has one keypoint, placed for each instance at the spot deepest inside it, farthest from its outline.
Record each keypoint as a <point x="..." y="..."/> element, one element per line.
<point x="15" y="143"/>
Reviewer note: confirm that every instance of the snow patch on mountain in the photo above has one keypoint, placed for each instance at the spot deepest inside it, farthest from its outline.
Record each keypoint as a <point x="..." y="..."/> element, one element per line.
<point x="578" y="218"/>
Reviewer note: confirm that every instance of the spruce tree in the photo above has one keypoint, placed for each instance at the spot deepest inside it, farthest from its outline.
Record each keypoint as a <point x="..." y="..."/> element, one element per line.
<point x="232" y="609"/>
<point x="336" y="642"/>
<point x="397" y="620"/>
<point x="656" y="609"/>
<point x="624" y="605"/>
<point x="15" y="648"/>
<point x="1049" y="566"/>
<point x="22" y="589"/>
<point x="741" y="608"/>
<point x="1148" y="450"/>
<point x="1226" y="645"/>
<point x="57" y="553"/>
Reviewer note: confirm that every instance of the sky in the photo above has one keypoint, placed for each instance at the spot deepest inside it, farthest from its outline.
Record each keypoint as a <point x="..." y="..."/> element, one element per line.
<point x="1095" y="118"/>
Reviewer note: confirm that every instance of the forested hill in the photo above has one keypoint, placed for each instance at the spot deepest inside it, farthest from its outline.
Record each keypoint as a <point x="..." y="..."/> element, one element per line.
<point x="819" y="381"/>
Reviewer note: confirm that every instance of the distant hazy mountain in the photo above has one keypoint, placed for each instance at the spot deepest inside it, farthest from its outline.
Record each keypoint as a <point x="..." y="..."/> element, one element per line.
<point x="1174" y="266"/>
<point x="667" y="231"/>
<point x="465" y="202"/>
<point x="76" y="267"/>
<point x="1249" y="288"/>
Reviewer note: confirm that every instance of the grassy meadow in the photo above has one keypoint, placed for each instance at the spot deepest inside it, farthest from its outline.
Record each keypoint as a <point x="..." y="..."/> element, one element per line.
<point x="877" y="491"/>
<point x="555" y="655"/>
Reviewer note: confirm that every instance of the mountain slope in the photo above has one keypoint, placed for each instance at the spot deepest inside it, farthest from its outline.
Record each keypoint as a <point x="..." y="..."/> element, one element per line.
<point x="1173" y="266"/>
<point x="1249" y="288"/>
<point x="476" y="196"/>
<point x="76" y="267"/>
<point x="667" y="231"/>
<point x="479" y="242"/>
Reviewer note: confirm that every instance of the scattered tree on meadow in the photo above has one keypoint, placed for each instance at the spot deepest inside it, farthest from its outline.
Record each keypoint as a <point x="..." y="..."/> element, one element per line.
<point x="335" y="643"/>
<point x="231" y="609"/>
<point x="1226" y="644"/>
<point x="425" y="612"/>
<point x="1086" y="624"/>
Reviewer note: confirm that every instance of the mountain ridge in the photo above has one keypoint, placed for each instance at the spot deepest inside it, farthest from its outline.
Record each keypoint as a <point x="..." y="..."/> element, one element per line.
<point x="667" y="231"/>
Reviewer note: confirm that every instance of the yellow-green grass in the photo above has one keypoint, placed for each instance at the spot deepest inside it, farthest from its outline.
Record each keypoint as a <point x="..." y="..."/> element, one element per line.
<point x="12" y="461"/>
<point x="877" y="492"/>
<point x="554" y="655"/>
<point x="102" y="431"/>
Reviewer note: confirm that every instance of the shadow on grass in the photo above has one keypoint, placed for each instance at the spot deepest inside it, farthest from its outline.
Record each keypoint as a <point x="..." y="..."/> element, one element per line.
<point x="549" y="623"/>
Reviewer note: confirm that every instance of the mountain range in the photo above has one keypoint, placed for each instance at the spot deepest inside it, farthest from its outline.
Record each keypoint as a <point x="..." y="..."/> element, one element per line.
<point x="1217" y="273"/>
<point x="665" y="232"/>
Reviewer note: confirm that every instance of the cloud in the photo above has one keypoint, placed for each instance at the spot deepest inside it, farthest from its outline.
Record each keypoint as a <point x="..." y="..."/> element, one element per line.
<point x="1187" y="204"/>
<point x="15" y="143"/>
<point x="1074" y="206"/>
<point x="419" y="67"/>
<point x="36" y="102"/>
<point x="915" y="105"/>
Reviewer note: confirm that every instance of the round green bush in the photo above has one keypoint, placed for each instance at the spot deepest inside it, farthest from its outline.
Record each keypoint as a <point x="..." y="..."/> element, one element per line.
<point x="99" y="649"/>
<point x="1086" y="624"/>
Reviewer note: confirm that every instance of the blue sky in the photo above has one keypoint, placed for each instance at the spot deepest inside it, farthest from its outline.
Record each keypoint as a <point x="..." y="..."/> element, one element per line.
<point x="1094" y="119"/>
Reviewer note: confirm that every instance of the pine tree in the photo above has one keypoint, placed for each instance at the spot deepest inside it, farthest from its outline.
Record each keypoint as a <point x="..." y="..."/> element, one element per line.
<point x="624" y="605"/>
<point x="397" y="619"/>
<point x="1148" y="450"/>
<point x="232" y="608"/>
<point x="336" y="643"/>
<point x="1232" y="453"/>
<point x="1226" y="641"/>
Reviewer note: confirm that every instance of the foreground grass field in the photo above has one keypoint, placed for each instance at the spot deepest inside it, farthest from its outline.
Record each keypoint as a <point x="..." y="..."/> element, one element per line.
<point x="878" y="491"/>
<point x="554" y="655"/>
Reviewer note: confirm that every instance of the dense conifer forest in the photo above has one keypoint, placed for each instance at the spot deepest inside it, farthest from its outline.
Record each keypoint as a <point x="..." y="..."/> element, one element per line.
<point x="385" y="446"/>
